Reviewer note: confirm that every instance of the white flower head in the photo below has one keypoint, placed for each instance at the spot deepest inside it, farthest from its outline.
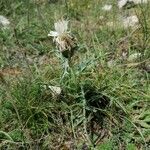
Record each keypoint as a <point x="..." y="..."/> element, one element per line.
<point x="60" y="27"/>
<point x="131" y="21"/>
<point x="4" y="21"/>
<point x="65" y="42"/>
<point x="107" y="7"/>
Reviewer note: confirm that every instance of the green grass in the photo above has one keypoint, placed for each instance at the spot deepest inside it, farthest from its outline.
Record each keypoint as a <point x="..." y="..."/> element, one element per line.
<point x="102" y="107"/>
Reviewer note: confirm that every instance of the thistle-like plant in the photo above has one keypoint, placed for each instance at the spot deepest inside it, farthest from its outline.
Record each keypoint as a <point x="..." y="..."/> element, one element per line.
<point x="65" y="42"/>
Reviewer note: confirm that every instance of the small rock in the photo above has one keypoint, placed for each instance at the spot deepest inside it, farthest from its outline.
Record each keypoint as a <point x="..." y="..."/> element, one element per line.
<point x="122" y="3"/>
<point x="139" y="1"/>
<point x="4" y="21"/>
<point x="55" y="89"/>
<point x="134" y="56"/>
<point x="130" y="21"/>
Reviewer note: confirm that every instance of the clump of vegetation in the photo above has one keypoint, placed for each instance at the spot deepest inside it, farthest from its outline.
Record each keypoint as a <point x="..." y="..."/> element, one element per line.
<point x="92" y="94"/>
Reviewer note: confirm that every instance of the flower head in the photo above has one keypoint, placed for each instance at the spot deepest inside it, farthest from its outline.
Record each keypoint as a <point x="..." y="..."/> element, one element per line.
<point x="130" y="21"/>
<point x="61" y="27"/>
<point x="63" y="39"/>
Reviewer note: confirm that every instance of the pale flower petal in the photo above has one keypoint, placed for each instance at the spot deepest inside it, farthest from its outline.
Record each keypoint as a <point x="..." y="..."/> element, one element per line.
<point x="61" y="26"/>
<point x="53" y="33"/>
